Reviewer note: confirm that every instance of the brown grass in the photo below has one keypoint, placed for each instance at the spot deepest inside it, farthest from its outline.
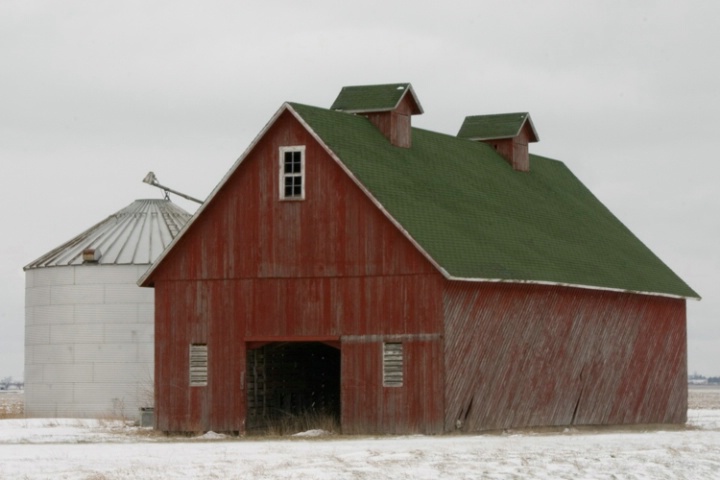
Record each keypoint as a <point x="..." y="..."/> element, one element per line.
<point x="292" y="424"/>
<point x="12" y="405"/>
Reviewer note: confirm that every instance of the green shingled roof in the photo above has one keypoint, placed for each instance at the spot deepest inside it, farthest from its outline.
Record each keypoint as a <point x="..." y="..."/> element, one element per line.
<point x="479" y="219"/>
<point x="372" y="98"/>
<point x="485" y="127"/>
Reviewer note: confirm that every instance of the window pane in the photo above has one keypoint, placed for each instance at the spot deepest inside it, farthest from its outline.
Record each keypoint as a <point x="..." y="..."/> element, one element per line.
<point x="290" y="164"/>
<point x="288" y="187"/>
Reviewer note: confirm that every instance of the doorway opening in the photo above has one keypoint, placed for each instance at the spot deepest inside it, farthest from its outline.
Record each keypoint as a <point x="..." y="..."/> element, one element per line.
<point x="293" y="387"/>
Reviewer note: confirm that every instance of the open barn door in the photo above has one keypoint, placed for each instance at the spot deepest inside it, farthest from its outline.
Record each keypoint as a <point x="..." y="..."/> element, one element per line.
<point x="292" y="386"/>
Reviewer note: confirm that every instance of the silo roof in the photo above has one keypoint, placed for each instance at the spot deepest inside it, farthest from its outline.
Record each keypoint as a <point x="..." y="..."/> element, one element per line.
<point x="135" y="235"/>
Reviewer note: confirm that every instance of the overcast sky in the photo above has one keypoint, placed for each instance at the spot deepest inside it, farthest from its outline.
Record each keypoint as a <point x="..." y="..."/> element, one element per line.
<point x="94" y="94"/>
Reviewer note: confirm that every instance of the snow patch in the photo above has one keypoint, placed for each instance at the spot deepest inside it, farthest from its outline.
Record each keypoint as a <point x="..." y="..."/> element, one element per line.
<point x="313" y="433"/>
<point x="74" y="449"/>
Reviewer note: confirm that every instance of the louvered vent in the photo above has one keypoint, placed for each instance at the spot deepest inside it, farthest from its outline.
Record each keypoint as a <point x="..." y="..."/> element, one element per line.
<point x="392" y="365"/>
<point x="198" y="365"/>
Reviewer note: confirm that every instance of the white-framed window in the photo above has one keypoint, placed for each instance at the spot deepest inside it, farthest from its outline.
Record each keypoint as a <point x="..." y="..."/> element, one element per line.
<point x="198" y="364"/>
<point x="292" y="173"/>
<point x="392" y="364"/>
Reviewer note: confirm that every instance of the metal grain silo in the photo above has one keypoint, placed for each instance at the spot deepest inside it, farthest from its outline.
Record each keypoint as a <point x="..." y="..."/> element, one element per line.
<point x="89" y="329"/>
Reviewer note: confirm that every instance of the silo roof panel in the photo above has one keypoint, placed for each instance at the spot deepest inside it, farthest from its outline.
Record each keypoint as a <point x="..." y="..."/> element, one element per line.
<point x="135" y="235"/>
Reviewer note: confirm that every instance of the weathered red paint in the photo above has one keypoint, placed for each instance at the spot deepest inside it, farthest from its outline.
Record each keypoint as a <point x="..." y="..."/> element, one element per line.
<point x="370" y="408"/>
<point x="515" y="149"/>
<point x="256" y="269"/>
<point x="396" y="124"/>
<point x="545" y="355"/>
<point x="253" y="269"/>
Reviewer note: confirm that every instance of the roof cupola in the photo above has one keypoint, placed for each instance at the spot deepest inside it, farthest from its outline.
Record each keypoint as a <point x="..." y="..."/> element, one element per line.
<point x="508" y="133"/>
<point x="389" y="107"/>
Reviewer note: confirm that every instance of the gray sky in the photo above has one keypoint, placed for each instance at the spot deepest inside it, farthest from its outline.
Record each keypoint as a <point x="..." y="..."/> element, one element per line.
<point x="94" y="94"/>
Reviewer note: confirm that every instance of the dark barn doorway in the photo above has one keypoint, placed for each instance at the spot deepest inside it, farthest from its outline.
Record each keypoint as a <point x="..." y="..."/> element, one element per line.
<point x="293" y="386"/>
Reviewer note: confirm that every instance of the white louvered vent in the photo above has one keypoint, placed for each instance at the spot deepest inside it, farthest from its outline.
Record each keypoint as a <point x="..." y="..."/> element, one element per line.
<point x="392" y="365"/>
<point x="198" y="365"/>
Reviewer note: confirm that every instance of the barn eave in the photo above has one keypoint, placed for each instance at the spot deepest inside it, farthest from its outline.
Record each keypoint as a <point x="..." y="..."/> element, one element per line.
<point x="568" y="285"/>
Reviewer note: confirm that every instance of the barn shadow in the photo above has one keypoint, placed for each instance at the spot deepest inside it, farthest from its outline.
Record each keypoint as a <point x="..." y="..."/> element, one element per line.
<point x="292" y="387"/>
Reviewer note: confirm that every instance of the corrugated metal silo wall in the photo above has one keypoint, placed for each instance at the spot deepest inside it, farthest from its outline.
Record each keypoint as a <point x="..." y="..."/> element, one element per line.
<point x="253" y="268"/>
<point x="524" y="355"/>
<point x="88" y="341"/>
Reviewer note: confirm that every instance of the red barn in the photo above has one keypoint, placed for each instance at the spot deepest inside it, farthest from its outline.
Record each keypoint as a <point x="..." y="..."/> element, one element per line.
<point x="410" y="281"/>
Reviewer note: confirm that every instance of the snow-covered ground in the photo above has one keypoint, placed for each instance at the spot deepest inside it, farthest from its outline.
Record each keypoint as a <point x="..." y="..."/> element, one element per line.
<point x="98" y="450"/>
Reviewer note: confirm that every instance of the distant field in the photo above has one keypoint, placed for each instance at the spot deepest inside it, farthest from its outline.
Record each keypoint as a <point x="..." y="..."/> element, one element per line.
<point x="699" y="397"/>
<point x="704" y="396"/>
<point x="12" y="403"/>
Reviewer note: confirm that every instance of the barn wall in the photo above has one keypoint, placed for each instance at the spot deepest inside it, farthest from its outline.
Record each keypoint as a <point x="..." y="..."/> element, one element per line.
<point x="370" y="408"/>
<point x="361" y="313"/>
<point x="544" y="355"/>
<point x="218" y="406"/>
<point x="248" y="233"/>
<point x="392" y="309"/>
<point x="253" y="268"/>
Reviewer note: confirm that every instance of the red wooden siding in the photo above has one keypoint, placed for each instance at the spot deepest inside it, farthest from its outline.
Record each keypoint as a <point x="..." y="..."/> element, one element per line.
<point x="370" y="408"/>
<point x="360" y="312"/>
<point x="248" y="233"/>
<point x="515" y="150"/>
<point x="187" y="309"/>
<point x="528" y="355"/>
<point x="396" y="125"/>
<point x="253" y="268"/>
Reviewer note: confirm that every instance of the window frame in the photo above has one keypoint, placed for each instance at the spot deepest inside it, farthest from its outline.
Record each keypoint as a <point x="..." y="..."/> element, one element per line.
<point x="283" y="175"/>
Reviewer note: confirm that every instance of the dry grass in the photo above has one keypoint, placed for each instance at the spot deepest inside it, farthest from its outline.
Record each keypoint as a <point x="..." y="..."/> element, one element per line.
<point x="292" y="424"/>
<point x="12" y="405"/>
